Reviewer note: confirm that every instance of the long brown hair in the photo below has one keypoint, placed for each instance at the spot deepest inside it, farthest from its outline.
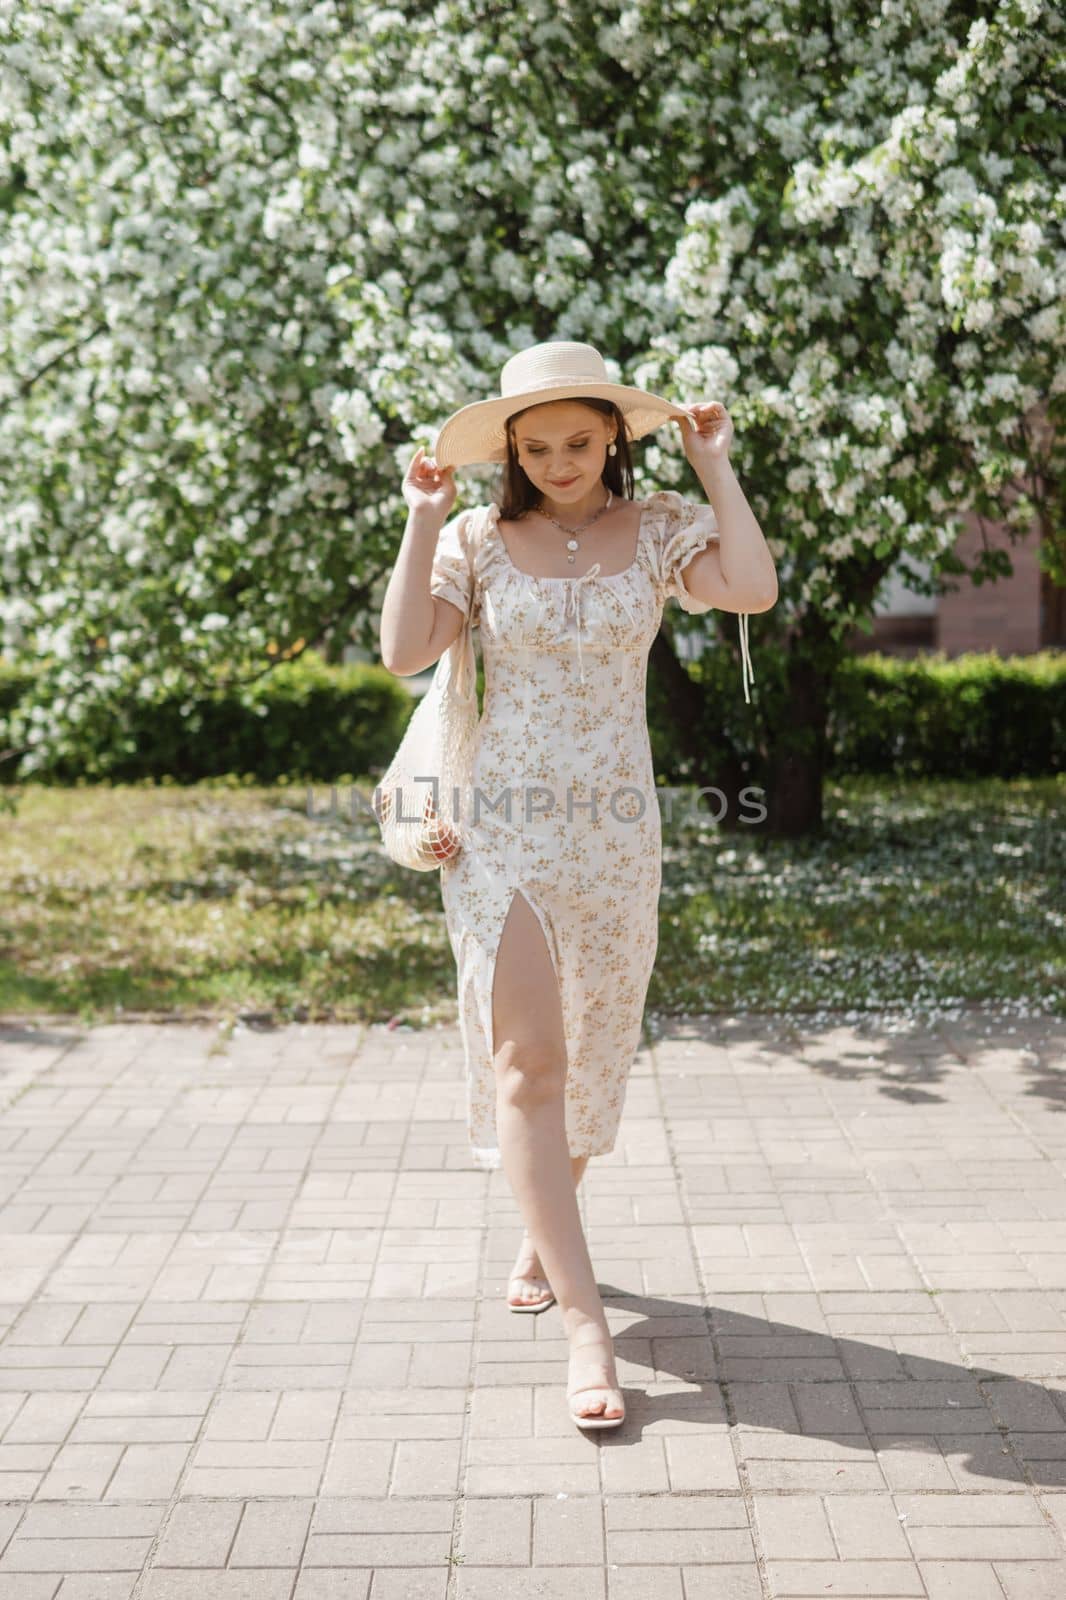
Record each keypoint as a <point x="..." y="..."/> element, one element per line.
<point x="516" y="494"/>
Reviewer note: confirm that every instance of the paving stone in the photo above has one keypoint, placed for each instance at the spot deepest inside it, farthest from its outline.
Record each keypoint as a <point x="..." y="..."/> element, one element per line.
<point x="374" y="1549"/>
<point x="866" y="1527"/>
<point x="44" y="1418"/>
<point x="986" y="1544"/>
<point x="1022" y="1580"/>
<point x="287" y="1467"/>
<point x="165" y="1583"/>
<point x="75" y="1555"/>
<point x="722" y="1583"/>
<point x="960" y="1580"/>
<point x="649" y="1583"/>
<point x="541" y="1583"/>
<point x="148" y="1470"/>
<point x="880" y="1578"/>
<point x="98" y="1586"/>
<point x="30" y="1586"/>
<point x="344" y="1583"/>
<point x="497" y="1532"/>
<point x="568" y="1532"/>
<point x="794" y="1527"/>
<point x="199" y="1534"/>
<point x="695" y="1462"/>
<point x="253" y="1338"/>
<point x="426" y="1584"/>
<point x="691" y="1546"/>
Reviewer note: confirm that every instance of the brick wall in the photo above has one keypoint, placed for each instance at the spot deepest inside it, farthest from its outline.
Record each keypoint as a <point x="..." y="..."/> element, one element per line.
<point x="1002" y="616"/>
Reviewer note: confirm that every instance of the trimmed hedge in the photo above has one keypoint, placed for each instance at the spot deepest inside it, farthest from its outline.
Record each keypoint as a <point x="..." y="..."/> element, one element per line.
<point x="975" y="715"/>
<point x="970" y="716"/>
<point x="967" y="716"/>
<point x="305" y="720"/>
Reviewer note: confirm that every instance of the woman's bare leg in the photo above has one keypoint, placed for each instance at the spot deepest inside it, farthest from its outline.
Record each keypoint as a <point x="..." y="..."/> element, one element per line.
<point x="531" y="1126"/>
<point x="527" y="1283"/>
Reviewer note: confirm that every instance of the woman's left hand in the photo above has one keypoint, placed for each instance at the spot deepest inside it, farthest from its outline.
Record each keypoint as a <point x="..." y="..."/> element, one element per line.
<point x="708" y="442"/>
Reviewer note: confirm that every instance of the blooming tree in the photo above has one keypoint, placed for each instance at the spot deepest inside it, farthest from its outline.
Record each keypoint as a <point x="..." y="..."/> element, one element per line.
<point x="256" y="250"/>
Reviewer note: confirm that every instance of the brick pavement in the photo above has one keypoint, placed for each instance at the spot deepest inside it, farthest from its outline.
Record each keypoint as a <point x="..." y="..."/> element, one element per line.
<point x="254" y="1339"/>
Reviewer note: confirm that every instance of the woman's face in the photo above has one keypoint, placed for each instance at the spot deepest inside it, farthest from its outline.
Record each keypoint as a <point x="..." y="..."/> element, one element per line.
<point x="562" y="447"/>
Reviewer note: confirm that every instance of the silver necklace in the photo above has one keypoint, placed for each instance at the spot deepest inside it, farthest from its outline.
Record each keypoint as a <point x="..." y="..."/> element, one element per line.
<point x="571" y="543"/>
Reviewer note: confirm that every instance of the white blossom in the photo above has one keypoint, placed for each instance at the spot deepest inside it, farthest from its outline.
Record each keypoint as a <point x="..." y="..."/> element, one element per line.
<point x="254" y="265"/>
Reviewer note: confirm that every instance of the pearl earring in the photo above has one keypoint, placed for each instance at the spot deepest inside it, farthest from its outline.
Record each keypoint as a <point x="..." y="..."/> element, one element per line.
<point x="612" y="449"/>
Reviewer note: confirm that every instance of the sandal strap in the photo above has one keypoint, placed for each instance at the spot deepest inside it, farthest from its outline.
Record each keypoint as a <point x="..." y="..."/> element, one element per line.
<point x="584" y="1388"/>
<point x="606" y="1367"/>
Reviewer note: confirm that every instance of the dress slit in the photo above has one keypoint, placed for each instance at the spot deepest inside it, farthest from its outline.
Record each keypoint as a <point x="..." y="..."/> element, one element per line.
<point x="550" y="945"/>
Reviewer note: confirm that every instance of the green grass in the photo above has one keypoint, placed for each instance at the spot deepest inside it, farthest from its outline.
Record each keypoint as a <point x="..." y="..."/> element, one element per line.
<point x="918" y="895"/>
<point x="221" y="901"/>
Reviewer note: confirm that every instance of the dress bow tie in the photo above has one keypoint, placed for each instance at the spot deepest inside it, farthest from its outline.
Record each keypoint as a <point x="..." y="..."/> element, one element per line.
<point x="572" y="608"/>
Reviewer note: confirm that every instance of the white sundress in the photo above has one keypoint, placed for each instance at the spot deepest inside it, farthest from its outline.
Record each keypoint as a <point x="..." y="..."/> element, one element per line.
<point x="565" y="666"/>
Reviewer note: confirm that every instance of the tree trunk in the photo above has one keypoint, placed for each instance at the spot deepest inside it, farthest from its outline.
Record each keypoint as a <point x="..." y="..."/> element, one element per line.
<point x="683" y="694"/>
<point x="785" y="763"/>
<point x="796" y="766"/>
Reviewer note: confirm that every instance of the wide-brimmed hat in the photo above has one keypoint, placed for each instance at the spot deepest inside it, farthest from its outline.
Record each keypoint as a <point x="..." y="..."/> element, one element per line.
<point x="561" y="369"/>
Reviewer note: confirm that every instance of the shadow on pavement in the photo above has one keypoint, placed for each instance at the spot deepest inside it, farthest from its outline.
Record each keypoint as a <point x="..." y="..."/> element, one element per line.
<point x="861" y="1397"/>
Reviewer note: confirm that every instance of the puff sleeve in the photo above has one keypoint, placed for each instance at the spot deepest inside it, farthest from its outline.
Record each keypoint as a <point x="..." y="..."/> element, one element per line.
<point x="685" y="528"/>
<point x="452" y="572"/>
<point x="688" y="528"/>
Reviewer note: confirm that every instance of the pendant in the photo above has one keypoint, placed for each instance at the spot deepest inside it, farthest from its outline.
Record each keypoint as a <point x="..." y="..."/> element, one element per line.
<point x="572" y="544"/>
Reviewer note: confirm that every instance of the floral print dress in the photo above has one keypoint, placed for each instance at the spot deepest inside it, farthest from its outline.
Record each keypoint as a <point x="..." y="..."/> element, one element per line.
<point x="567" y="810"/>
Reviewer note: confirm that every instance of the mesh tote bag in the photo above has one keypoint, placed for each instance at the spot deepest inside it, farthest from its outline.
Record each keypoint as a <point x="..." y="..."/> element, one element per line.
<point x="422" y="803"/>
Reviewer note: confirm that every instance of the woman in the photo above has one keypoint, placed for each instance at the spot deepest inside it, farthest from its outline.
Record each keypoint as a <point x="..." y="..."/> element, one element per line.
<point x="552" y="913"/>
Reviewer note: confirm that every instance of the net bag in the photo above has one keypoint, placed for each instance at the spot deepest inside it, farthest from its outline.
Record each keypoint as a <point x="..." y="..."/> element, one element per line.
<point x="423" y="801"/>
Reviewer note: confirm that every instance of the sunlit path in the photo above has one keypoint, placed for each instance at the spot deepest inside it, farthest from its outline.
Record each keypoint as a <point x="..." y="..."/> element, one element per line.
<point x="255" y="1332"/>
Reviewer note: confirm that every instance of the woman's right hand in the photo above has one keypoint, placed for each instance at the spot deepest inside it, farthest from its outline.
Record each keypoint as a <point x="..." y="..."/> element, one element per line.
<point x="427" y="487"/>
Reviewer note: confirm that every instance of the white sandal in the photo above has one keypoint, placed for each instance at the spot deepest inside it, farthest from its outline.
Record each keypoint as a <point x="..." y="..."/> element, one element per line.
<point x="595" y="1420"/>
<point x="546" y="1300"/>
<point x="530" y="1305"/>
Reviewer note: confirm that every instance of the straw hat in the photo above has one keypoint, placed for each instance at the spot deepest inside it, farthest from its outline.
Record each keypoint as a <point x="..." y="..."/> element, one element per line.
<point x="562" y="369"/>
